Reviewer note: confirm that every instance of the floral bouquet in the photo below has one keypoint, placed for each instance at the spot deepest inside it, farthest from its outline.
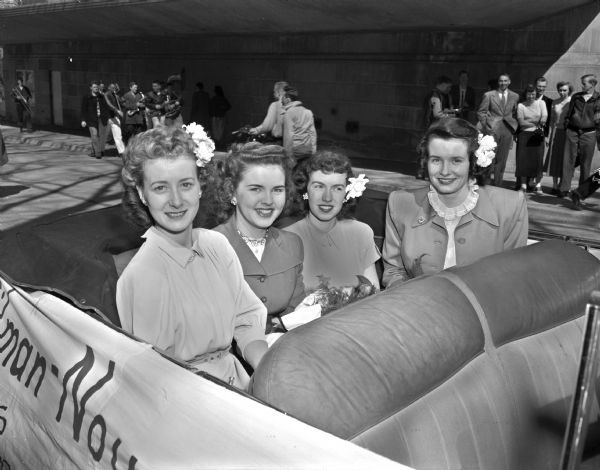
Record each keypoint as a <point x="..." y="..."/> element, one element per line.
<point x="333" y="298"/>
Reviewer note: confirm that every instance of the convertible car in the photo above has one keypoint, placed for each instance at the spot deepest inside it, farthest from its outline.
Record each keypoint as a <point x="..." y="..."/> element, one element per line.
<point x="476" y="367"/>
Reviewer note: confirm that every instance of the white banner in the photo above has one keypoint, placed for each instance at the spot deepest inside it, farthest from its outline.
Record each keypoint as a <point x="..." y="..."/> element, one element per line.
<point x="75" y="393"/>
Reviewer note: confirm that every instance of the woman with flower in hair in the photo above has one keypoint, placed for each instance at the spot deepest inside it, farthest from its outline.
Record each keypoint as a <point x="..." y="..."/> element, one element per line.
<point x="337" y="248"/>
<point x="249" y="190"/>
<point x="456" y="220"/>
<point x="184" y="290"/>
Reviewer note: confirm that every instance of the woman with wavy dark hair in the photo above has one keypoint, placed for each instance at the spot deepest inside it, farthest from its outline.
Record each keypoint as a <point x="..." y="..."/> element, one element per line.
<point x="337" y="248"/>
<point x="248" y="190"/>
<point x="457" y="219"/>
<point x="184" y="290"/>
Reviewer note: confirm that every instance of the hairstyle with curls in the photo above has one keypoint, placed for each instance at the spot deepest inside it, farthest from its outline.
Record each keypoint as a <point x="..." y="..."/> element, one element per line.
<point x="327" y="161"/>
<point x="529" y="88"/>
<point x="159" y="142"/>
<point x="226" y="173"/>
<point x="456" y="128"/>
<point x="561" y="84"/>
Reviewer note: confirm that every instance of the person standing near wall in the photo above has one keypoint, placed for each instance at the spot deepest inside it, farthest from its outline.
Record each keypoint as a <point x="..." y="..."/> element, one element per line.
<point x="199" y="112"/>
<point x="497" y="115"/>
<point x="463" y="96"/>
<point x="217" y="109"/>
<point x="134" y="109"/>
<point x="582" y="124"/>
<point x="94" y="115"/>
<point x="173" y="102"/>
<point x="22" y="96"/>
<point x="113" y="100"/>
<point x="556" y="145"/>
<point x="299" y="133"/>
<point x="155" y="104"/>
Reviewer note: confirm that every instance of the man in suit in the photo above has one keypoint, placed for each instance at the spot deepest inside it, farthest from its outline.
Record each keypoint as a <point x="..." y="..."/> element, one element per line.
<point x="497" y="114"/>
<point x="463" y="95"/>
<point x="582" y="124"/>
<point x="94" y="115"/>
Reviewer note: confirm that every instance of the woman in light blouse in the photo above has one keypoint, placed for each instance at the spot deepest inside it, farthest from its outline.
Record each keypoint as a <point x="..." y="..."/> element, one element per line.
<point x="531" y="114"/>
<point x="184" y="290"/>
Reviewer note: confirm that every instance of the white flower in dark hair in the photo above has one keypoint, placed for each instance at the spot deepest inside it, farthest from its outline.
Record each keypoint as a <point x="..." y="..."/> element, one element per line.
<point x="487" y="150"/>
<point x="205" y="147"/>
<point x="356" y="187"/>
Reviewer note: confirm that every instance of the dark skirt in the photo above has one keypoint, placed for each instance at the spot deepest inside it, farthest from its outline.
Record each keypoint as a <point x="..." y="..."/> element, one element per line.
<point x="556" y="151"/>
<point x="530" y="155"/>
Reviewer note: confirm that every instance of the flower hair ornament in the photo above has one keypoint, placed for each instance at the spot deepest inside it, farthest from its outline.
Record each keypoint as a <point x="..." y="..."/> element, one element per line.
<point x="205" y="147"/>
<point x="487" y="150"/>
<point x="356" y="187"/>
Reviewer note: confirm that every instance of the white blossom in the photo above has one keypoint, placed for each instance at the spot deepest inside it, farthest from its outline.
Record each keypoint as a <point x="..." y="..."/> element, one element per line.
<point x="356" y="187"/>
<point x="487" y="150"/>
<point x="205" y="147"/>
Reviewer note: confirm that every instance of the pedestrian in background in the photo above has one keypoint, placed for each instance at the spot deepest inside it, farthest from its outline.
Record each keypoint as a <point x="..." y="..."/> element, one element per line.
<point x="217" y="109"/>
<point x="94" y="115"/>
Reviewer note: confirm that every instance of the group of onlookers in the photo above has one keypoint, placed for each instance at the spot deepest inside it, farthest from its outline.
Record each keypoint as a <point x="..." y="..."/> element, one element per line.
<point x="107" y="110"/>
<point x="552" y="136"/>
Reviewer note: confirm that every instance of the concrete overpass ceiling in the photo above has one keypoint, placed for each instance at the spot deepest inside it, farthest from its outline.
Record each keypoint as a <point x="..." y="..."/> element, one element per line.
<point x="90" y="19"/>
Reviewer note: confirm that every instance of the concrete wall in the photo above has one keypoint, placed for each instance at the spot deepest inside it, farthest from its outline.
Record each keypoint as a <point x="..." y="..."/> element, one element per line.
<point x="376" y="79"/>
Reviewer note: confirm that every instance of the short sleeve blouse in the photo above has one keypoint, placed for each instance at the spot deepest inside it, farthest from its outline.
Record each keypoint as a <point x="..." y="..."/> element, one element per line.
<point x="339" y="255"/>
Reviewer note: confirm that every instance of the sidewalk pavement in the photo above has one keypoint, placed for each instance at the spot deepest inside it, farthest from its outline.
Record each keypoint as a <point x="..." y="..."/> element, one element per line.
<point x="50" y="175"/>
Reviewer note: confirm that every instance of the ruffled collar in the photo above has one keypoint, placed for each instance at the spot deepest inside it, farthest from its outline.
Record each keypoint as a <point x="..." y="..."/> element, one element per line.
<point x="452" y="213"/>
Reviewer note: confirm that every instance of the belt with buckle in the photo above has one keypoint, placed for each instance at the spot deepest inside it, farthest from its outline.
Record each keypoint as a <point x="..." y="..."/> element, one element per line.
<point x="583" y="130"/>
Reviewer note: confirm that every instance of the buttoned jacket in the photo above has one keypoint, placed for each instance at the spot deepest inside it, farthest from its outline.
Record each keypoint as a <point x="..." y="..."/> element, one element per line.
<point x="493" y="114"/>
<point x="89" y="109"/>
<point x="277" y="278"/>
<point x="416" y="238"/>
<point x="134" y="114"/>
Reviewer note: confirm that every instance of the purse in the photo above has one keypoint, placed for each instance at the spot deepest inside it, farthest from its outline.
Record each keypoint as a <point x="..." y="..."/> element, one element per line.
<point x="538" y="133"/>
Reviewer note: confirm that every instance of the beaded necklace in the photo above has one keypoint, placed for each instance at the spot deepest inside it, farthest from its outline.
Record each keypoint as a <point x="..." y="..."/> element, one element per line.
<point x="256" y="245"/>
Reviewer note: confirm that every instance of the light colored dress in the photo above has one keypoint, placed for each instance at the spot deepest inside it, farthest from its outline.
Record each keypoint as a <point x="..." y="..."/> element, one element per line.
<point x="339" y="255"/>
<point x="191" y="303"/>
<point x="530" y="149"/>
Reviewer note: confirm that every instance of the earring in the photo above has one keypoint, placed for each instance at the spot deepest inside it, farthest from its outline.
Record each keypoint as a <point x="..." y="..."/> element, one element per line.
<point x="305" y="196"/>
<point x="233" y="201"/>
<point x="200" y="194"/>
